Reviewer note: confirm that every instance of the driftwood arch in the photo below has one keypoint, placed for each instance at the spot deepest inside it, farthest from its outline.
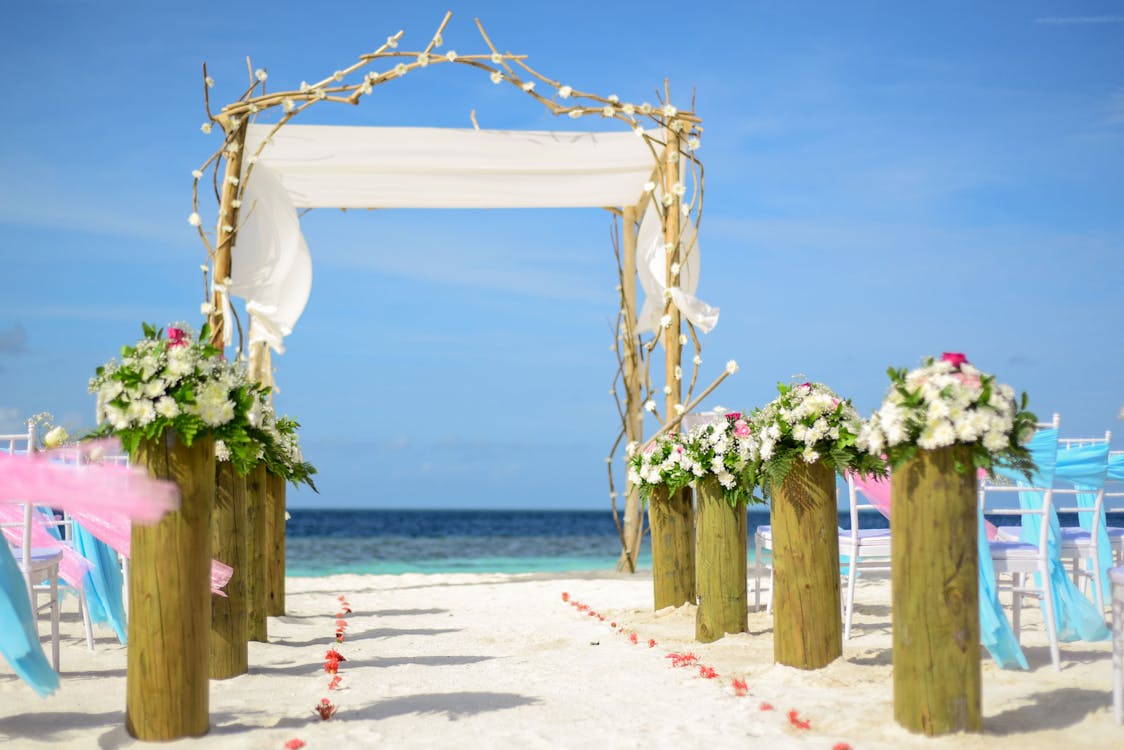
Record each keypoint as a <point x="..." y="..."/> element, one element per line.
<point x="672" y="192"/>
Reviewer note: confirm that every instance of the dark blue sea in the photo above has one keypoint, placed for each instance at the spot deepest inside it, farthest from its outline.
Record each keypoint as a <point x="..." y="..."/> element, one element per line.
<point x="325" y="542"/>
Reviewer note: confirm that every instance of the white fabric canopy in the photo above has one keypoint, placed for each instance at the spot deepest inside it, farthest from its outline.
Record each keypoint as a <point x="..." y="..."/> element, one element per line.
<point x="320" y="166"/>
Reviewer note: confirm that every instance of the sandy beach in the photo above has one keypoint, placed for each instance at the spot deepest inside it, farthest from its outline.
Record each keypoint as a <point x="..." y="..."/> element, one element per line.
<point x="457" y="660"/>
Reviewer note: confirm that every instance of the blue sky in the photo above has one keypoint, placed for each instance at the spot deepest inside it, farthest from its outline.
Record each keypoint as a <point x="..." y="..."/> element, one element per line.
<point x="883" y="180"/>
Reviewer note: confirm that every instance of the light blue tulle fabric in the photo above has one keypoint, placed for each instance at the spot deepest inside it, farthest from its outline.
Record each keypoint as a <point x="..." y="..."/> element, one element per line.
<point x="1075" y="616"/>
<point x="103" y="583"/>
<point x="996" y="633"/>
<point x="1116" y="466"/>
<point x="19" y="641"/>
<point x="1085" y="467"/>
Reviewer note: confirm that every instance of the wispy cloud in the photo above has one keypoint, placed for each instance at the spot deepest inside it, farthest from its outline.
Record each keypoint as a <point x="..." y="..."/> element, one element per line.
<point x="71" y="312"/>
<point x="10" y="420"/>
<point x="1116" y="107"/>
<point x="1078" y="20"/>
<point x="13" y="340"/>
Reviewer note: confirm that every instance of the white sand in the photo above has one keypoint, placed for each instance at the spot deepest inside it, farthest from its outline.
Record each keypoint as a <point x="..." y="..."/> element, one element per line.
<point x="481" y="661"/>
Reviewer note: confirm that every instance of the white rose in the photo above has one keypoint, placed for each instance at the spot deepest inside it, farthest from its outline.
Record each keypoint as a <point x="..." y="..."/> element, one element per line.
<point x="55" y="437"/>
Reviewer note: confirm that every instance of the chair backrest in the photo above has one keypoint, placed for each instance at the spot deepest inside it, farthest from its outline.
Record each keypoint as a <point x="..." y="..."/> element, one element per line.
<point x="15" y="444"/>
<point x="1083" y="462"/>
<point x="1114" y="481"/>
<point x="1035" y="497"/>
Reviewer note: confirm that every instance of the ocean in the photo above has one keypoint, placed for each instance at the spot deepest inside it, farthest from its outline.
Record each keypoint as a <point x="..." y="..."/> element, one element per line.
<point x="327" y="542"/>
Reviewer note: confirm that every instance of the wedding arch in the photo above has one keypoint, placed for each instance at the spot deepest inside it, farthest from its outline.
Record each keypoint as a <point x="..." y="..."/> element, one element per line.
<point x="648" y="177"/>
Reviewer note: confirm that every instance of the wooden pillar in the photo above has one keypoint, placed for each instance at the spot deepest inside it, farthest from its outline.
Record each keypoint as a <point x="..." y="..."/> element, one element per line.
<point x="167" y="680"/>
<point x="227" y="226"/>
<point x="935" y="593"/>
<point x="673" y="547"/>
<point x="229" y="614"/>
<point x="673" y="349"/>
<point x="722" y="550"/>
<point x="807" y="619"/>
<point x="261" y="369"/>
<point x="275" y="545"/>
<point x="256" y="588"/>
<point x="633" y="406"/>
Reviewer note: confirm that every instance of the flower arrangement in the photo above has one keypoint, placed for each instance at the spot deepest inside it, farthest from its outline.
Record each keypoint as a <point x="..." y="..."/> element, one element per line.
<point x="663" y="462"/>
<point x="282" y="450"/>
<point x="181" y="383"/>
<point x="808" y="422"/>
<point x="947" y="402"/>
<point x="723" y="449"/>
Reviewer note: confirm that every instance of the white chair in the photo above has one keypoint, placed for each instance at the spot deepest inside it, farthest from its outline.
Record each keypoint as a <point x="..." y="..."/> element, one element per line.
<point x="1114" y="491"/>
<point x="36" y="564"/>
<point x="866" y="549"/>
<point x="1078" y="544"/>
<point x="1022" y="560"/>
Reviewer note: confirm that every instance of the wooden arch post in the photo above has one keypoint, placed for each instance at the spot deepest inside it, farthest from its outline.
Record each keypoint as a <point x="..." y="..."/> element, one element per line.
<point x="633" y="403"/>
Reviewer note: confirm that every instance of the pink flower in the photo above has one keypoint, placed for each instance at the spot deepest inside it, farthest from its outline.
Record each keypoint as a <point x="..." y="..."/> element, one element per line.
<point x="734" y="415"/>
<point x="805" y="384"/>
<point x="954" y="358"/>
<point x="741" y="429"/>
<point x="176" y="337"/>
<point x="740" y="688"/>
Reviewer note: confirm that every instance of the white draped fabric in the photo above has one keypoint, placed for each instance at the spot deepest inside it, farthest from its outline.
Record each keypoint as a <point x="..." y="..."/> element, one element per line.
<point x="318" y="166"/>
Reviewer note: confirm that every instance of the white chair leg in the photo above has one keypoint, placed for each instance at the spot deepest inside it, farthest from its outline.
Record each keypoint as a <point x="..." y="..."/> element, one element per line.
<point x="1017" y="605"/>
<point x="769" y="604"/>
<point x="850" y="605"/>
<point x="1051" y="627"/>
<point x="757" y="573"/>
<point x="55" y="620"/>
<point x="125" y="585"/>
<point x="85" y="611"/>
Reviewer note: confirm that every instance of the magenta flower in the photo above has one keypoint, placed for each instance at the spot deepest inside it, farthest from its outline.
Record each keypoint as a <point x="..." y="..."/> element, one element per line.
<point x="954" y="358"/>
<point x="176" y="337"/>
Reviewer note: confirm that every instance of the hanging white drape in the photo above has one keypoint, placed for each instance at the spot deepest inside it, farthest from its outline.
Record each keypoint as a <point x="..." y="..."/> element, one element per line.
<point x="651" y="267"/>
<point x="316" y="166"/>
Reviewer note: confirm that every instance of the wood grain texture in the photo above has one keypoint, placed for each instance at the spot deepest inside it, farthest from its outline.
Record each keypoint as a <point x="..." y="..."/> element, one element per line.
<point x="722" y="546"/>
<point x="257" y="592"/>
<point x="275" y="545"/>
<point x="807" y="619"/>
<point x="672" y="522"/>
<point x="167" y="680"/>
<point x="230" y="618"/>
<point x="935" y="595"/>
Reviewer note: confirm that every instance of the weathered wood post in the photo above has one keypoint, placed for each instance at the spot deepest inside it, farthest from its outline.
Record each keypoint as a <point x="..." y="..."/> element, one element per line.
<point x="275" y="545"/>
<point x="672" y="522"/>
<point x="632" y="371"/>
<point x="935" y="592"/>
<point x="167" y="680"/>
<point x="722" y="549"/>
<point x="257" y="592"/>
<point x="807" y="619"/>
<point x="229" y="614"/>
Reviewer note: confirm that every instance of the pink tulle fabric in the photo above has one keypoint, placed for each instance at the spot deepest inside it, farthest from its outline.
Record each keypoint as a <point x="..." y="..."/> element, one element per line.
<point x="106" y="498"/>
<point x="51" y="478"/>
<point x="73" y="567"/>
<point x="877" y="493"/>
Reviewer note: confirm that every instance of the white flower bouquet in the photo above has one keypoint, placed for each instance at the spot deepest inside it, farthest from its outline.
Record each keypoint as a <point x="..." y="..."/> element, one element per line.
<point x="724" y="450"/>
<point x="662" y="463"/>
<point x="809" y="422"/>
<point x="948" y="402"/>
<point x="180" y="383"/>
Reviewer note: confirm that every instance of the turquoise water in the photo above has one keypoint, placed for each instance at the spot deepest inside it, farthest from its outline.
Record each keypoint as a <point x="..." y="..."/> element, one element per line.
<point x="327" y="542"/>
